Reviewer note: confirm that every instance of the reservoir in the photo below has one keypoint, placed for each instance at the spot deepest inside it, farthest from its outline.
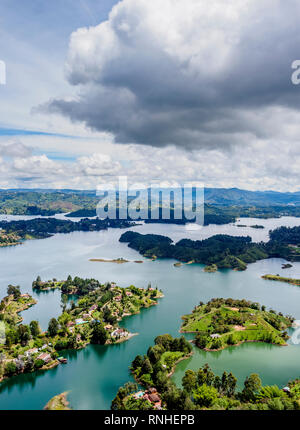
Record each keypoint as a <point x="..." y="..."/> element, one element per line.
<point x="93" y="375"/>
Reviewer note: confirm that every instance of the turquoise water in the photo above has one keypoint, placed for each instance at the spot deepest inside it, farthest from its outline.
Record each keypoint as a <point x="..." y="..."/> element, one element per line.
<point x="94" y="374"/>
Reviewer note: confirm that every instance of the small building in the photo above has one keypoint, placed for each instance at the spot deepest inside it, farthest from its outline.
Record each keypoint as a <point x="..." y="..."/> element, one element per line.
<point x="215" y="336"/>
<point x="129" y="294"/>
<point x="70" y="324"/>
<point x="86" y="316"/>
<point x="119" y="332"/>
<point x="118" y="298"/>
<point x="93" y="308"/>
<point x="44" y="357"/>
<point x="108" y="327"/>
<point x="31" y="352"/>
<point x="25" y="296"/>
<point x="286" y="389"/>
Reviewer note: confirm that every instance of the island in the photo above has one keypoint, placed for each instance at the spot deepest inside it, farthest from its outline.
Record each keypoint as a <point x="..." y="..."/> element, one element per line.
<point x="152" y="371"/>
<point x="154" y="388"/>
<point x="282" y="279"/>
<point x="93" y="318"/>
<point x="223" y="251"/>
<point x="226" y="322"/>
<point x="58" y="403"/>
<point x="205" y="390"/>
<point x="119" y="260"/>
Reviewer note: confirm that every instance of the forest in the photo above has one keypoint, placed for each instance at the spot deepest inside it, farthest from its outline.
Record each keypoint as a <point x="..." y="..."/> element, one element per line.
<point x="221" y="250"/>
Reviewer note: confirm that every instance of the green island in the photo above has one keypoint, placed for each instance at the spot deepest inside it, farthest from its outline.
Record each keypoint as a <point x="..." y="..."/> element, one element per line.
<point x="155" y="390"/>
<point x="201" y="390"/>
<point x="58" y="403"/>
<point x="226" y="322"/>
<point x="116" y="260"/>
<point x="222" y="251"/>
<point x="92" y="319"/>
<point x="282" y="279"/>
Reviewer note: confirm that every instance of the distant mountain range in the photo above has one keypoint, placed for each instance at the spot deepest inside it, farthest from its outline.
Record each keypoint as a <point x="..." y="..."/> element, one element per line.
<point x="215" y="196"/>
<point x="237" y="197"/>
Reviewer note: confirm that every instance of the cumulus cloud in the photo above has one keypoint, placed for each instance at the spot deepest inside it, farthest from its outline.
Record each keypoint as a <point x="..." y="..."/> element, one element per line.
<point x="195" y="74"/>
<point x="14" y="148"/>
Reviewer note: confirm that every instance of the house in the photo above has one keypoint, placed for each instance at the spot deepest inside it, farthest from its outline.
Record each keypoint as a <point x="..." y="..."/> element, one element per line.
<point x="79" y="321"/>
<point x="70" y="324"/>
<point x="44" y="357"/>
<point x="93" y="308"/>
<point x="78" y="338"/>
<point x="286" y="389"/>
<point x="86" y="316"/>
<point x="108" y="327"/>
<point x="119" y="332"/>
<point x="215" y="336"/>
<point x="113" y="285"/>
<point x="25" y="296"/>
<point x="129" y="294"/>
<point x="118" y="298"/>
<point x="31" y="352"/>
<point x="154" y="399"/>
<point x="43" y="347"/>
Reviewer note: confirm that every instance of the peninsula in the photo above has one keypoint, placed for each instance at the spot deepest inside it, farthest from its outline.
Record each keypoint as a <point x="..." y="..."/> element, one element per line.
<point x="92" y="319"/>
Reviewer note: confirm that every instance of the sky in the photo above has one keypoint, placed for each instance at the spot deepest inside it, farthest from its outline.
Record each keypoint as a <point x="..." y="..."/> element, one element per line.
<point x="167" y="91"/>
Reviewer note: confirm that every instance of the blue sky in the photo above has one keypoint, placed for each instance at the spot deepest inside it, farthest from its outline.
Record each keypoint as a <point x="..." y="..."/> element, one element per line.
<point x="160" y="89"/>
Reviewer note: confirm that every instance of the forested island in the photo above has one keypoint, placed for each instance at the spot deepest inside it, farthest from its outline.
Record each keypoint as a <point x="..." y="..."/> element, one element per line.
<point x="222" y="251"/>
<point x="226" y="322"/>
<point x="93" y="318"/>
<point x="203" y="389"/>
<point x="14" y="232"/>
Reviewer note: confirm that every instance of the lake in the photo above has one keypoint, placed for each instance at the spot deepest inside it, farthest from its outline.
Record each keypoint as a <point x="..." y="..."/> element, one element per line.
<point x="93" y="375"/>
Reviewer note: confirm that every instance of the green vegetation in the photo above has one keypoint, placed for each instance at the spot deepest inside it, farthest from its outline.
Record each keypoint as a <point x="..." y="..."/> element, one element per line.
<point x="92" y="319"/>
<point x="225" y="322"/>
<point x="9" y="239"/>
<point x="39" y="228"/>
<point x="58" y="403"/>
<point x="211" y="268"/>
<point x="222" y="251"/>
<point x="282" y="279"/>
<point x="199" y="390"/>
<point x="45" y="203"/>
<point x="153" y="371"/>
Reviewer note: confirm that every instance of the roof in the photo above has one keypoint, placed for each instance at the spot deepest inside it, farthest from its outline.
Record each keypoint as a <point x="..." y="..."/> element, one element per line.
<point x="44" y="356"/>
<point x="154" y="398"/>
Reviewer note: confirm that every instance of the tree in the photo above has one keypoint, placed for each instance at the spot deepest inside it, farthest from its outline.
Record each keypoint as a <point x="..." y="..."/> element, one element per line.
<point x="252" y="386"/>
<point x="99" y="334"/>
<point x="146" y="366"/>
<point x="14" y="291"/>
<point x="53" y="327"/>
<point x="205" y="395"/>
<point x="137" y="362"/>
<point x="23" y="334"/>
<point x="10" y="368"/>
<point x="189" y="381"/>
<point x="34" y="328"/>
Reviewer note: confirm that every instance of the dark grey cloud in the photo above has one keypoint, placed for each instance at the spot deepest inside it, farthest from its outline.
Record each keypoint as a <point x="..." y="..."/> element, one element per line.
<point x="193" y="74"/>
